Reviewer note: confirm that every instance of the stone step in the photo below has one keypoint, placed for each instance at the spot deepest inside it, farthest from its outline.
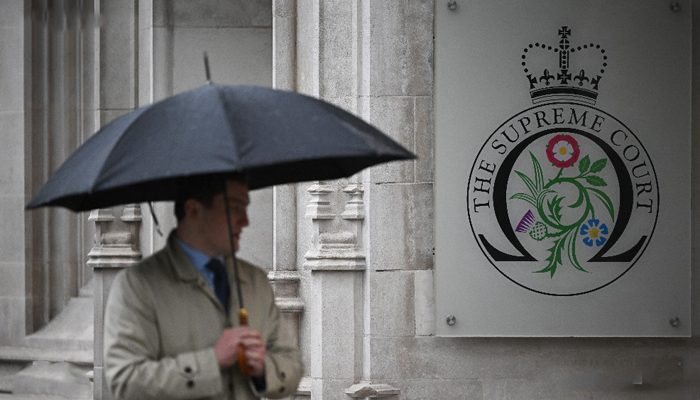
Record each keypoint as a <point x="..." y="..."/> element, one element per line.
<point x="29" y="354"/>
<point x="72" y="329"/>
<point x="44" y="378"/>
<point x="87" y="290"/>
<point x="7" y="373"/>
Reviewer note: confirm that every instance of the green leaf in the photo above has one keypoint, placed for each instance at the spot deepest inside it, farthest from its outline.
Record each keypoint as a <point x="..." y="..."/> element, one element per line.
<point x="584" y="164"/>
<point x="599" y="165"/>
<point x="524" y="196"/>
<point x="606" y="201"/>
<point x="539" y="177"/>
<point x="596" y="180"/>
<point x="528" y="182"/>
<point x="555" y="208"/>
<point x="554" y="258"/>
<point x="579" y="201"/>
<point x="571" y="244"/>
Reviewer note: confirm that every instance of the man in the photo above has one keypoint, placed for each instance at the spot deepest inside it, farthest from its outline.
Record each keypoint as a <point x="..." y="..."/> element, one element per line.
<point x="170" y="326"/>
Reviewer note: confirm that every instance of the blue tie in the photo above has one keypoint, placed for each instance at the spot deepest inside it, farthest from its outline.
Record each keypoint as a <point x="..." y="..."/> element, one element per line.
<point x="220" y="281"/>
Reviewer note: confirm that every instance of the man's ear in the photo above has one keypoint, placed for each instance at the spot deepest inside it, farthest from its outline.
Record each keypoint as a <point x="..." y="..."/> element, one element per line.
<point x="191" y="207"/>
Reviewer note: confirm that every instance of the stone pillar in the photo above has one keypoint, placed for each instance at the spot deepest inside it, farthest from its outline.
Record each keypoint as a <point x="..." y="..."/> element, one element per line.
<point x="285" y="277"/>
<point x="116" y="247"/>
<point x="15" y="117"/>
<point x="337" y="263"/>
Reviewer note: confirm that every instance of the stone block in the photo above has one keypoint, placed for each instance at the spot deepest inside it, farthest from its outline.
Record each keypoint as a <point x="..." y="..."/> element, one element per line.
<point x="396" y="117"/>
<point x="284" y="8"/>
<point x="12" y="313"/>
<point x="146" y="54"/>
<point x="11" y="14"/>
<point x="443" y="389"/>
<point x="424" y="302"/>
<point x="392" y="308"/>
<point x="118" y="59"/>
<point x="336" y="336"/>
<point x="7" y="375"/>
<point x="12" y="77"/>
<point x="236" y="56"/>
<point x="308" y="47"/>
<point x="330" y="389"/>
<point x="401" y="226"/>
<point x="13" y="281"/>
<point x="12" y="238"/>
<point x="62" y="241"/>
<point x="338" y="44"/>
<point x="459" y="358"/>
<point x="72" y="329"/>
<point x="60" y="379"/>
<point x="256" y="240"/>
<point x="285" y="224"/>
<point x="12" y="152"/>
<point x="551" y="389"/>
<point x="540" y="368"/>
<point x="401" y="48"/>
<point x="284" y="50"/>
<point x="213" y="13"/>
<point x="425" y="139"/>
<point x="529" y="390"/>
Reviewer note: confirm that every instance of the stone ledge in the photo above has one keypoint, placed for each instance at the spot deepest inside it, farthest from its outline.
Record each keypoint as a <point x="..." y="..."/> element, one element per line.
<point x="304" y="388"/>
<point x="44" y="378"/>
<point x="371" y="390"/>
<point x="27" y="354"/>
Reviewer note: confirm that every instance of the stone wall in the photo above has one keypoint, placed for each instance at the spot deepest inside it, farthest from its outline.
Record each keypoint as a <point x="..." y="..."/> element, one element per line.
<point x="368" y="331"/>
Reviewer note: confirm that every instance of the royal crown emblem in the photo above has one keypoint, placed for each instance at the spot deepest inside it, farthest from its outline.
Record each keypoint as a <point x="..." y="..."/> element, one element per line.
<point x="564" y="71"/>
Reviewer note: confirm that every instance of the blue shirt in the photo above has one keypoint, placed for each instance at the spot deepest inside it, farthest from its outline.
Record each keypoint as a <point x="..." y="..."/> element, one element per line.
<point x="199" y="260"/>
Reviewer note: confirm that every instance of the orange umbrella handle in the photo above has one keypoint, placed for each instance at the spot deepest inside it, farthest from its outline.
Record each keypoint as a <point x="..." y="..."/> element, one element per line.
<point x="242" y="362"/>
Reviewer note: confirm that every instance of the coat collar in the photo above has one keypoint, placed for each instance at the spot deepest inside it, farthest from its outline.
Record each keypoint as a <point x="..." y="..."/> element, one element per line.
<point x="186" y="271"/>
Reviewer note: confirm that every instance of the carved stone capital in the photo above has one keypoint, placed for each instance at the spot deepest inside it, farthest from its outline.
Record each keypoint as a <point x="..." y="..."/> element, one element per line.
<point x="285" y="284"/>
<point x="116" y="239"/>
<point x="319" y="206"/>
<point x="338" y="251"/>
<point x="355" y="207"/>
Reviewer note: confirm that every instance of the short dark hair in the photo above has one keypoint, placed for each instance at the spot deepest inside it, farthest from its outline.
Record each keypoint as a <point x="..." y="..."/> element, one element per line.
<point x="203" y="188"/>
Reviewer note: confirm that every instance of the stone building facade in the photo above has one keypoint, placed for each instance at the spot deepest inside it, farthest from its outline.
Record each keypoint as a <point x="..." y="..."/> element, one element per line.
<point x="351" y="260"/>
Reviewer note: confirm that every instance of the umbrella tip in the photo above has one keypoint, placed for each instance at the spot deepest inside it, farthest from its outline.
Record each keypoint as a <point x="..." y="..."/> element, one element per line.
<point x="206" y="68"/>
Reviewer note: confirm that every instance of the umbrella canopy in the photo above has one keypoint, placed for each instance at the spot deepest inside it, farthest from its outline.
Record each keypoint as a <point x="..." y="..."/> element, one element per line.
<point x="274" y="136"/>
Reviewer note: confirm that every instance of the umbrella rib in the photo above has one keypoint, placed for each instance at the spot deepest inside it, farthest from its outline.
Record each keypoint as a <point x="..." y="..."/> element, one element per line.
<point x="230" y="126"/>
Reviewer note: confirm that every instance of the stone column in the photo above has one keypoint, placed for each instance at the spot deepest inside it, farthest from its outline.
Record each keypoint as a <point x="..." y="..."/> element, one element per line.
<point x="337" y="263"/>
<point x="285" y="277"/>
<point x="116" y="91"/>
<point x="116" y="247"/>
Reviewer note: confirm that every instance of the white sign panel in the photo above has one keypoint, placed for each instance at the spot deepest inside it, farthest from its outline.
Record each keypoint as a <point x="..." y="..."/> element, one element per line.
<point x="563" y="168"/>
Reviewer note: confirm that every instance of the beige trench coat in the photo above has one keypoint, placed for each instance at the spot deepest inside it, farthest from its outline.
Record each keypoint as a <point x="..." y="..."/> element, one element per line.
<point x="162" y="321"/>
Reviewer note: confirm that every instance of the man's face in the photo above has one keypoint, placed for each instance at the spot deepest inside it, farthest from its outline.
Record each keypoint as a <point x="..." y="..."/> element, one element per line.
<point x="212" y="222"/>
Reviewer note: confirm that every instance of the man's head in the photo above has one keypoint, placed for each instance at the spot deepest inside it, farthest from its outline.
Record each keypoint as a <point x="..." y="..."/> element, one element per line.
<point x="201" y="213"/>
<point x="203" y="189"/>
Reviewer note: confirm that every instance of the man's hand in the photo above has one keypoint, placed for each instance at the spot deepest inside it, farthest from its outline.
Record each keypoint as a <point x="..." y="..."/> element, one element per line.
<point x="226" y="349"/>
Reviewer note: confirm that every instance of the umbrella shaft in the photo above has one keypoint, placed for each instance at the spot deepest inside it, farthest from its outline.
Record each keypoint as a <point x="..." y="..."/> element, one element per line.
<point x="233" y="246"/>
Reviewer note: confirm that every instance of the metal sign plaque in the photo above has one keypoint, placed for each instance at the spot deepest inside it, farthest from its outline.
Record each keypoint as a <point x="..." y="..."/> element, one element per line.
<point x="563" y="168"/>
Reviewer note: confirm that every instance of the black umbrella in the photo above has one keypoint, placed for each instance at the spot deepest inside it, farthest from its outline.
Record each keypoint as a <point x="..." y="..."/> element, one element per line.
<point x="274" y="136"/>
